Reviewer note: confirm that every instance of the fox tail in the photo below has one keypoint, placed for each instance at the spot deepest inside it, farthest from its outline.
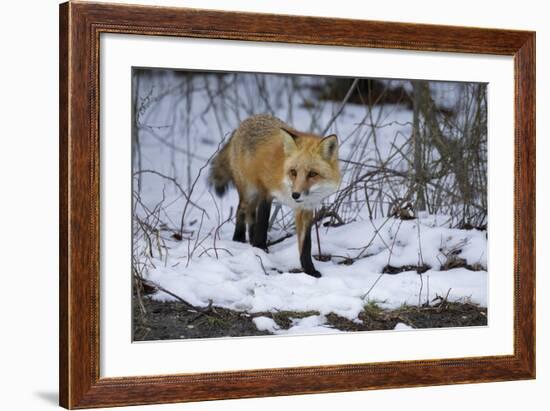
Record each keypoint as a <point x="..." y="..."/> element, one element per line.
<point x="220" y="171"/>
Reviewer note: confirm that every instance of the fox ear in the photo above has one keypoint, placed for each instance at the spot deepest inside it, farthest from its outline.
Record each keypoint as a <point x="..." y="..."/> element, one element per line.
<point x="329" y="147"/>
<point x="289" y="141"/>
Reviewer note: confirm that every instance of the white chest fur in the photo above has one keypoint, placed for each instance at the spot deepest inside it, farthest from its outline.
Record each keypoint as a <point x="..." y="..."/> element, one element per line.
<point x="310" y="200"/>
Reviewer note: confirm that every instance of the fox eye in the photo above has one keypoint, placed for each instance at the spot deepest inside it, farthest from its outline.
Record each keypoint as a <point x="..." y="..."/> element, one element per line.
<point x="293" y="173"/>
<point x="312" y="174"/>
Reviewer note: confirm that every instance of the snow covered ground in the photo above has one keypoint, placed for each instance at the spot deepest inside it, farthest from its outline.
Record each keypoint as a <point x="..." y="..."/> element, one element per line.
<point x="205" y="267"/>
<point x="247" y="279"/>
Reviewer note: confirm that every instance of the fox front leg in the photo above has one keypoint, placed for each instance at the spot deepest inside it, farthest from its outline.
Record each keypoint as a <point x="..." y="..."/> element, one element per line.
<point x="304" y="220"/>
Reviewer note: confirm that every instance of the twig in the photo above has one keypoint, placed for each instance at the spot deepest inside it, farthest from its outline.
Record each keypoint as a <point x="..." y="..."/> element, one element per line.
<point x="341" y="108"/>
<point x="444" y="302"/>
<point x="376" y="233"/>
<point x="178" y="186"/>
<point x="206" y="250"/>
<point x="388" y="263"/>
<point x="274" y="215"/>
<point x="324" y="213"/>
<point x="262" y="264"/>
<point x="190" y="307"/>
<point x="421" y="264"/>
<point x="420" y="292"/>
<point x="279" y="240"/>
<point x="428" y="290"/>
<point x="218" y="229"/>
<point x="195" y="183"/>
<point x="170" y="293"/>
<point x="138" y="293"/>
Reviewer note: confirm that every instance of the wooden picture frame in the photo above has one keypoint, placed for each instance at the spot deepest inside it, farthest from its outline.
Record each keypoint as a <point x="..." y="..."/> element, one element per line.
<point x="80" y="27"/>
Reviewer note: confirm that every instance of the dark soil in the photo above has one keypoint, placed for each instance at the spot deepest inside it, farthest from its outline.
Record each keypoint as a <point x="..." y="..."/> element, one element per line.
<point x="173" y="320"/>
<point x="452" y="315"/>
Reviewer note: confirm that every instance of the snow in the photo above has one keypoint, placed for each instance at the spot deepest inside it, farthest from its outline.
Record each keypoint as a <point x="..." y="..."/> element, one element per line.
<point x="206" y="267"/>
<point x="313" y="324"/>
<point x="402" y="327"/>
<point x="238" y="281"/>
<point x="265" y="324"/>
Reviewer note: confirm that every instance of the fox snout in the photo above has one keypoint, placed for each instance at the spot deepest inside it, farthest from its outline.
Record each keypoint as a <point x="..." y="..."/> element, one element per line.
<point x="300" y="192"/>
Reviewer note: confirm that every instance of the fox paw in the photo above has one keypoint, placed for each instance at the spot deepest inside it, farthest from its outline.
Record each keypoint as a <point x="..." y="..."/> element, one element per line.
<point x="313" y="272"/>
<point x="262" y="247"/>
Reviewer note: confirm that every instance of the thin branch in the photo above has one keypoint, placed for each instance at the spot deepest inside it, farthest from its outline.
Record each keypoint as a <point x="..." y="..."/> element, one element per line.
<point x="341" y="108"/>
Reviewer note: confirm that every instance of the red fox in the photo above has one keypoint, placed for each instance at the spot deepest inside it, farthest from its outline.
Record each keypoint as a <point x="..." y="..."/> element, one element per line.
<point x="266" y="159"/>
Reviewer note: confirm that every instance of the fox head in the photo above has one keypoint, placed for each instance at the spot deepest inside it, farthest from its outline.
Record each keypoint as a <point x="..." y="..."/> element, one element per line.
<point x="311" y="167"/>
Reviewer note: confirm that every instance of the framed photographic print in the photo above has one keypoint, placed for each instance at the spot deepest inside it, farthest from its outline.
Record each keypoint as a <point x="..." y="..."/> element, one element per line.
<point x="257" y="205"/>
